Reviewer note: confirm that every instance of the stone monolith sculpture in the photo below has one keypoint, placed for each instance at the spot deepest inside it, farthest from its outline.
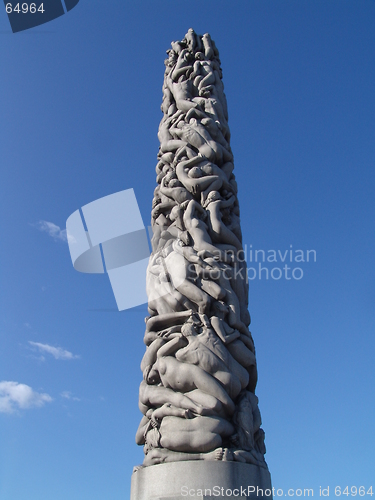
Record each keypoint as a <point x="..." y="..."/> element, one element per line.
<point x="201" y="426"/>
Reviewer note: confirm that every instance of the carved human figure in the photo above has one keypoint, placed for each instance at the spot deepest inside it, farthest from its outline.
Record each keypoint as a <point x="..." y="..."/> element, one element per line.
<point x="201" y="177"/>
<point x="193" y="41"/>
<point x="204" y="332"/>
<point x="167" y="142"/>
<point x="170" y="186"/>
<point x="200" y="434"/>
<point x="180" y="272"/>
<point x="195" y="134"/>
<point x="160" y="294"/>
<point x="194" y="221"/>
<point x="182" y="91"/>
<point x="154" y="395"/>
<point x="185" y="377"/>
<point x="219" y="232"/>
<point x="188" y="349"/>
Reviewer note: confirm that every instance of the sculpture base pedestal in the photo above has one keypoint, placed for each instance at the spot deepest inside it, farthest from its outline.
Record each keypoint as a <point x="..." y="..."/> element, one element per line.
<point x="201" y="480"/>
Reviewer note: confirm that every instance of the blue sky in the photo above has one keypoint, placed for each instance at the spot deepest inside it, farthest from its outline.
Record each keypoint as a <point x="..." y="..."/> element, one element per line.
<point x="80" y="100"/>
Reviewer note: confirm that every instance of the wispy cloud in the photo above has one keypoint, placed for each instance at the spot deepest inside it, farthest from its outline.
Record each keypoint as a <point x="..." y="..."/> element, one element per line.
<point x="52" y="230"/>
<point x="56" y="352"/>
<point x="14" y="396"/>
<point x="69" y="395"/>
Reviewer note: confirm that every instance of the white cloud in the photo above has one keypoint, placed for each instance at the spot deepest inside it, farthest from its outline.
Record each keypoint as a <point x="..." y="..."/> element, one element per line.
<point x="52" y="230"/>
<point x="15" y="396"/>
<point x="56" y="352"/>
<point x="69" y="395"/>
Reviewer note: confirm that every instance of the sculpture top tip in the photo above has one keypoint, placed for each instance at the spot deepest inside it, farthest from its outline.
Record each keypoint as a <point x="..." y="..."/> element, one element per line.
<point x="196" y="44"/>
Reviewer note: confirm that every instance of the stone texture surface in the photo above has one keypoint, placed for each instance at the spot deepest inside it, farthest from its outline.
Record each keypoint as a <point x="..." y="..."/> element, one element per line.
<point x="201" y="422"/>
<point x="173" y="481"/>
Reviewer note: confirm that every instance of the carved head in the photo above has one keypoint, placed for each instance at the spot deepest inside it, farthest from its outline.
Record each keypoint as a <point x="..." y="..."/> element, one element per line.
<point x="213" y="196"/>
<point x="195" y="173"/>
<point x="220" y="308"/>
<point x="151" y="375"/>
<point x="174" y="183"/>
